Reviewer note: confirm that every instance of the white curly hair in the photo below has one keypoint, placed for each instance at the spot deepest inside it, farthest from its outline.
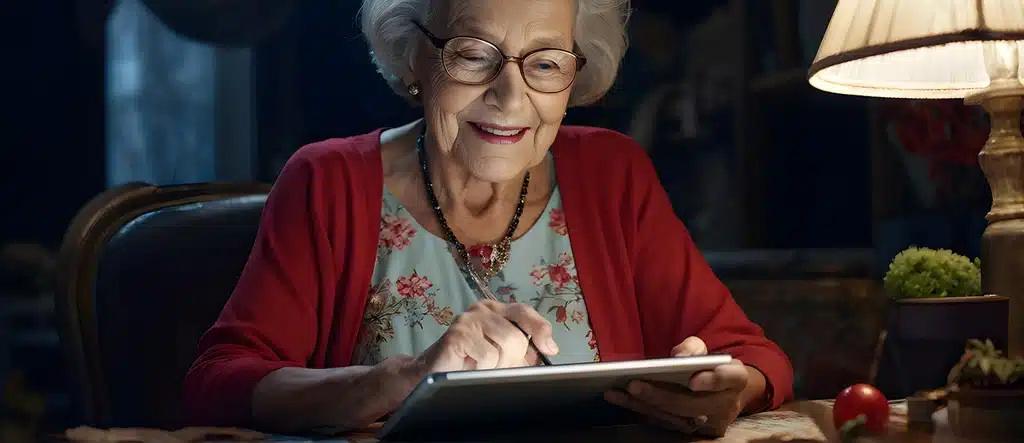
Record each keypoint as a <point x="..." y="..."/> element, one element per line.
<point x="600" y="33"/>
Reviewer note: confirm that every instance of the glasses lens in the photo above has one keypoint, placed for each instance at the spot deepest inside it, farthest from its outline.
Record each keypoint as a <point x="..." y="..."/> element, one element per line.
<point x="474" y="61"/>
<point x="550" y="70"/>
<point x="469" y="60"/>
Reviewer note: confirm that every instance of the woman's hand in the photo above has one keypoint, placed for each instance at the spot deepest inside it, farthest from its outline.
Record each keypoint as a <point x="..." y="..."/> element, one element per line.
<point x="484" y="337"/>
<point x="708" y="405"/>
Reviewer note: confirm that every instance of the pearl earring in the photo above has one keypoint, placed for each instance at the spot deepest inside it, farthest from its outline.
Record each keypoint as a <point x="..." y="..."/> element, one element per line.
<point x="414" y="90"/>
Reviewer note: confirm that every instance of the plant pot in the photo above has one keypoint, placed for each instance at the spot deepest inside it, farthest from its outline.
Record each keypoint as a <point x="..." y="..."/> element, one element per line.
<point x="926" y="338"/>
<point x="986" y="414"/>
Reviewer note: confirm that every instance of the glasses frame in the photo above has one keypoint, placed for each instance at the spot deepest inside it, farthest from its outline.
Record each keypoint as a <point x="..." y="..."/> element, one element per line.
<point x="440" y="44"/>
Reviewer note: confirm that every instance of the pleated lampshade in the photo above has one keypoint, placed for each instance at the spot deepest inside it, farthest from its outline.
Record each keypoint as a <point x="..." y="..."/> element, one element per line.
<point x="928" y="49"/>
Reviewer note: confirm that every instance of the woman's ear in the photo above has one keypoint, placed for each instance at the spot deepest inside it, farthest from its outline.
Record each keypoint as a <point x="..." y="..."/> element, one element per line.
<point x="414" y="52"/>
<point x="409" y="77"/>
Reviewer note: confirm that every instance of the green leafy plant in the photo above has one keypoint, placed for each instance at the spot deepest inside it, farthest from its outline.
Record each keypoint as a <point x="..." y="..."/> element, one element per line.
<point x="984" y="366"/>
<point x="932" y="273"/>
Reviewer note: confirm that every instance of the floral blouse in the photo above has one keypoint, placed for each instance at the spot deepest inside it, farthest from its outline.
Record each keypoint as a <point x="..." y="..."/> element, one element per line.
<point x="418" y="287"/>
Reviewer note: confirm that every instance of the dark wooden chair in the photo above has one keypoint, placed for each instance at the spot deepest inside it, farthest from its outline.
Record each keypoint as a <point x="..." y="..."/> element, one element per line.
<point x="143" y="271"/>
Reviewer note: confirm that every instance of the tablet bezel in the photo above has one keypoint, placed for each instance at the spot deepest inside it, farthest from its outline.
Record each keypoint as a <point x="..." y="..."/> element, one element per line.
<point x="650" y="369"/>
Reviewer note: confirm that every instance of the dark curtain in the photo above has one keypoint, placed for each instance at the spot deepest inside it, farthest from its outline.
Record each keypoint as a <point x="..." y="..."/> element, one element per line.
<point x="160" y="102"/>
<point x="167" y="65"/>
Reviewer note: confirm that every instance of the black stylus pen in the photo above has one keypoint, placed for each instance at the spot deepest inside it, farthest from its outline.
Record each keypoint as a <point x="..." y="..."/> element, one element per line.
<point x="543" y="358"/>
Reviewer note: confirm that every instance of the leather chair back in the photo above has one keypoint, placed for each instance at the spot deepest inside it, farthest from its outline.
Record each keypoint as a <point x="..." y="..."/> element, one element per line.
<point x="143" y="272"/>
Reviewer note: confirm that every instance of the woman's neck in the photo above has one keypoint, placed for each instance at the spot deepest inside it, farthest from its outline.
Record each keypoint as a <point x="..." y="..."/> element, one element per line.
<point x="478" y="211"/>
<point x="461" y="194"/>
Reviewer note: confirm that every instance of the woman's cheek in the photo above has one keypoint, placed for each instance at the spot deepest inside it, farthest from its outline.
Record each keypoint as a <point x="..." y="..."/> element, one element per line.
<point x="441" y="111"/>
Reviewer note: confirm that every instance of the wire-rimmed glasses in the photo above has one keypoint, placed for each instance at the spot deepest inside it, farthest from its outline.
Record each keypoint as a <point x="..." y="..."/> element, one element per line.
<point x="474" y="61"/>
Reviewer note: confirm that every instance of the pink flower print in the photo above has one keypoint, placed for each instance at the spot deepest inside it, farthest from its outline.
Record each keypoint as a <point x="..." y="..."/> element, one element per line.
<point x="413" y="286"/>
<point x="565" y="259"/>
<point x="559" y="275"/>
<point x="395" y="232"/>
<point x="557" y="222"/>
<point x="577" y="317"/>
<point x="591" y="339"/>
<point x="560" y="314"/>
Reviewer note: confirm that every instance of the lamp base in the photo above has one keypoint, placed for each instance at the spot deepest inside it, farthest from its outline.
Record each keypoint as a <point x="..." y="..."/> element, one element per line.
<point x="1002" y="244"/>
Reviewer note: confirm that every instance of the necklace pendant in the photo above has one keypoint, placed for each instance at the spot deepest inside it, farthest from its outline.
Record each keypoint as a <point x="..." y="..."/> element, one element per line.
<point x="488" y="260"/>
<point x="499" y="257"/>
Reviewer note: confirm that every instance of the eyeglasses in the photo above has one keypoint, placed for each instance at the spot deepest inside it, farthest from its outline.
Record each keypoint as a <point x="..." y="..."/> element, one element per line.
<point x="473" y="61"/>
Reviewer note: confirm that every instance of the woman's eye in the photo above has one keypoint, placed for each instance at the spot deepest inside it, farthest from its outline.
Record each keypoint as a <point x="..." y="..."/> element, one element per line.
<point x="473" y="56"/>
<point x="545" y="65"/>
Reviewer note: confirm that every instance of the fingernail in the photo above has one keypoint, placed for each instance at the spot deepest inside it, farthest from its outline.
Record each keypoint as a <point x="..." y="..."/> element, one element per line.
<point x="551" y="345"/>
<point x="698" y="384"/>
<point x="615" y="397"/>
<point x="638" y="389"/>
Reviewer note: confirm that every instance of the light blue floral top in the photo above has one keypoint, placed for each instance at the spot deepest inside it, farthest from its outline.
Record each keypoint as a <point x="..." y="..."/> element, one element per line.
<point x="417" y="286"/>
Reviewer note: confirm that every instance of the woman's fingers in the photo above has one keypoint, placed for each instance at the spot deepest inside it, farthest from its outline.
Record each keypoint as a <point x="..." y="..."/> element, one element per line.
<point x="487" y="334"/>
<point x="718" y="409"/>
<point x="667" y="400"/>
<point x="511" y="343"/>
<point x="534" y="324"/>
<point x="686" y="425"/>
<point x="728" y="377"/>
<point x="465" y="339"/>
<point x="690" y="347"/>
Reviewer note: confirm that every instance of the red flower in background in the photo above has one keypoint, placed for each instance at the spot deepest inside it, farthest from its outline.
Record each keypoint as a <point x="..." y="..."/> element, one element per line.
<point x="943" y="131"/>
<point x="948" y="133"/>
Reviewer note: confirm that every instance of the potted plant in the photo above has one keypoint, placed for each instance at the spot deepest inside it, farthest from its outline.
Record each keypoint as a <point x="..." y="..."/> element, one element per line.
<point x="936" y="307"/>
<point x="986" y="394"/>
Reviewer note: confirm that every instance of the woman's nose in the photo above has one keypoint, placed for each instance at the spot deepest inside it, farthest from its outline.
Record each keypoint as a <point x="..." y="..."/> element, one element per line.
<point x="508" y="89"/>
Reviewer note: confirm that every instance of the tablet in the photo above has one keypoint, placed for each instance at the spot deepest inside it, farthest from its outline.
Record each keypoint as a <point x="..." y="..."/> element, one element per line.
<point x="447" y="405"/>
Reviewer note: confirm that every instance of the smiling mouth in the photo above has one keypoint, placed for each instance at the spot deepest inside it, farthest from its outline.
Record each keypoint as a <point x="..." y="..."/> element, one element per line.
<point x="501" y="131"/>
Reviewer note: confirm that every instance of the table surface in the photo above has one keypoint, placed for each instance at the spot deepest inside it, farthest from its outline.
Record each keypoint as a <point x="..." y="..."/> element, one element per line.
<point x="799" y="422"/>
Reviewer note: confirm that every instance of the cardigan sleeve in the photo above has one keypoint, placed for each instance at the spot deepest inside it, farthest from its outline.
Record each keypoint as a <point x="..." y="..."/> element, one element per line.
<point x="270" y="320"/>
<point x="679" y="296"/>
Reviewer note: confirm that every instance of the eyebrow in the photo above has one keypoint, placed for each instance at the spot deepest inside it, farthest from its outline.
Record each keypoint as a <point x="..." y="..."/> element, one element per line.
<point x="542" y="42"/>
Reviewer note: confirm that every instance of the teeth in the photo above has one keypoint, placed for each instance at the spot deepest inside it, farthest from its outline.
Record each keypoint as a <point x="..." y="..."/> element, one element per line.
<point x="500" y="132"/>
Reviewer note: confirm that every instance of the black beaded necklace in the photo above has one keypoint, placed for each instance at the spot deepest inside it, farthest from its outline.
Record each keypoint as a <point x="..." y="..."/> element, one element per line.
<point x="500" y="251"/>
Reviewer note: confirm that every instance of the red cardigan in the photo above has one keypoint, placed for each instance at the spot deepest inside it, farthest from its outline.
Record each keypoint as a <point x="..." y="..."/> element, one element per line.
<point x="299" y="301"/>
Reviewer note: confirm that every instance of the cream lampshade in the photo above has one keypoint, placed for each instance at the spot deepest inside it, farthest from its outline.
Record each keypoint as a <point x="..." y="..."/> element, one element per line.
<point x="940" y="49"/>
<point x="920" y="48"/>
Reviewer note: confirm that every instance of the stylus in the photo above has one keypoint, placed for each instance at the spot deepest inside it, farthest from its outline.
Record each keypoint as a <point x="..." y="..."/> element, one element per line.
<point x="543" y="358"/>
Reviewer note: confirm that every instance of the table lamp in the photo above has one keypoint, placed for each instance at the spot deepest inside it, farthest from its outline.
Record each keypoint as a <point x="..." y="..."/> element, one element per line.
<point x="941" y="49"/>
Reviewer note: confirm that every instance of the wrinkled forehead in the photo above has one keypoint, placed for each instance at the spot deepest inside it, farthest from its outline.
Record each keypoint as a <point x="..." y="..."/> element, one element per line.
<point x="547" y="23"/>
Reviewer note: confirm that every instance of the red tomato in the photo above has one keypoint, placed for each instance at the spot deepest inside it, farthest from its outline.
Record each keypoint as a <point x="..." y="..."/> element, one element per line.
<point x="862" y="399"/>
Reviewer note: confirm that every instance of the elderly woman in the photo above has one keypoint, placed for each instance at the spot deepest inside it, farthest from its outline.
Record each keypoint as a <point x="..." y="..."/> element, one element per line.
<point x="387" y="256"/>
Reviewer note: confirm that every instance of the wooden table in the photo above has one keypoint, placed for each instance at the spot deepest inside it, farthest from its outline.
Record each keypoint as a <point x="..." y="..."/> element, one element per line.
<point x="804" y="422"/>
<point x="899" y="430"/>
<point x="799" y="422"/>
